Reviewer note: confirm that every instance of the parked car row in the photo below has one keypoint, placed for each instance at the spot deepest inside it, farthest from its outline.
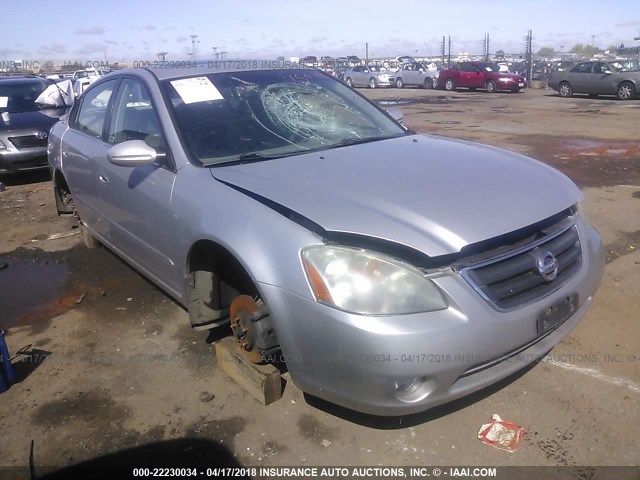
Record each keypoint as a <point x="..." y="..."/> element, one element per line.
<point x="412" y="74"/>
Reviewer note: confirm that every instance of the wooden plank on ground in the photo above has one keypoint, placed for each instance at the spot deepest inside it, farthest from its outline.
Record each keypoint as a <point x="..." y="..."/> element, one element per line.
<point x="261" y="381"/>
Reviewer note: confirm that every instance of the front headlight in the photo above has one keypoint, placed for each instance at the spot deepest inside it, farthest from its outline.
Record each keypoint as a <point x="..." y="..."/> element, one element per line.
<point x="503" y="79"/>
<point x="362" y="282"/>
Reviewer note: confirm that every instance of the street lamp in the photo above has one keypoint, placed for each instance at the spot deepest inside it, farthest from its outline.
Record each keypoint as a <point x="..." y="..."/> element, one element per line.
<point x="194" y="41"/>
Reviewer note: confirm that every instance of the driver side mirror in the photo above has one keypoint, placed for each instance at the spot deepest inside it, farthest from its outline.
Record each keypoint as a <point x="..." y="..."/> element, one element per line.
<point x="608" y="72"/>
<point x="133" y="153"/>
<point x="365" y="71"/>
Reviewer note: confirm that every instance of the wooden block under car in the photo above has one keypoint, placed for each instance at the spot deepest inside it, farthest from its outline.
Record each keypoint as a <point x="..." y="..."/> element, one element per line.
<point x="261" y="381"/>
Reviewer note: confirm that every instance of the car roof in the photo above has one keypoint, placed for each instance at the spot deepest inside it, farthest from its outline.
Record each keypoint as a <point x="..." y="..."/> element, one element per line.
<point x="216" y="66"/>
<point x="22" y="80"/>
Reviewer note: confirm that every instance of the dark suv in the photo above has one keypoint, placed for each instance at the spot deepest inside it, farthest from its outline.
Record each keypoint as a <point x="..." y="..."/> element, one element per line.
<point x="24" y="124"/>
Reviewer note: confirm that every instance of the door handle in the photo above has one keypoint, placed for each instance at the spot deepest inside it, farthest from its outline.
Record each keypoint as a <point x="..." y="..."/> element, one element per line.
<point x="103" y="179"/>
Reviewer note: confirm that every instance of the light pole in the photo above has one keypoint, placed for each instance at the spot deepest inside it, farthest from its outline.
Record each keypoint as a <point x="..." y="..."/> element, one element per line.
<point x="194" y="41"/>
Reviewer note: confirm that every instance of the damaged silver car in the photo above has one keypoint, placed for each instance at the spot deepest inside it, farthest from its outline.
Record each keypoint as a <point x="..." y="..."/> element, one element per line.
<point x="393" y="271"/>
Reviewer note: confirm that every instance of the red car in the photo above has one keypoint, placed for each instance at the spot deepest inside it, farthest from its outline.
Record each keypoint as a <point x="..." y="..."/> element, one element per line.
<point x="473" y="75"/>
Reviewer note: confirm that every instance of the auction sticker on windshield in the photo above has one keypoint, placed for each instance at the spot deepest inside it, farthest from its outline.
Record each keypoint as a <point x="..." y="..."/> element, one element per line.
<point x="4" y="102"/>
<point x="197" y="89"/>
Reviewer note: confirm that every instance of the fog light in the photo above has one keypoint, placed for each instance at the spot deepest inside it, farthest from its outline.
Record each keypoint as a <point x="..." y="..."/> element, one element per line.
<point x="414" y="389"/>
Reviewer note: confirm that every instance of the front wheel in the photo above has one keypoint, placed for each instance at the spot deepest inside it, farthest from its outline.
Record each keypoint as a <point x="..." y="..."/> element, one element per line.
<point x="372" y="83"/>
<point x="449" y="85"/>
<point x="399" y="83"/>
<point x="626" y="91"/>
<point x="350" y="82"/>
<point x="428" y="83"/>
<point x="565" y="90"/>
<point x="491" y="86"/>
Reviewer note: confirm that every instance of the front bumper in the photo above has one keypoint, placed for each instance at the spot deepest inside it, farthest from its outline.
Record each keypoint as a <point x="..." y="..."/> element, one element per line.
<point x="511" y="85"/>
<point x="13" y="160"/>
<point x="388" y="82"/>
<point x="398" y="365"/>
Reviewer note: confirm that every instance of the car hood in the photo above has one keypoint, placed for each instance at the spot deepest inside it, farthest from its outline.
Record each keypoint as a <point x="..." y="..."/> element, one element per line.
<point x="39" y="120"/>
<point x="433" y="194"/>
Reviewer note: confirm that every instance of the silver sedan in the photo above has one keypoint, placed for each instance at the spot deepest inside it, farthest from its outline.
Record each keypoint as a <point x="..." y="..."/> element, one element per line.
<point x="416" y="74"/>
<point x="369" y="76"/>
<point x="393" y="271"/>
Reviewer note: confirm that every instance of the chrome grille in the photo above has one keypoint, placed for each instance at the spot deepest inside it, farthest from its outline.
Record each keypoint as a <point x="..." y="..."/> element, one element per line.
<point x="28" y="141"/>
<point x="512" y="279"/>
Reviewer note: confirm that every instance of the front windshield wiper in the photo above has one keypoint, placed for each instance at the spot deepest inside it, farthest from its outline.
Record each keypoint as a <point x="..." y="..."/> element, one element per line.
<point x="359" y="140"/>
<point x="251" y="157"/>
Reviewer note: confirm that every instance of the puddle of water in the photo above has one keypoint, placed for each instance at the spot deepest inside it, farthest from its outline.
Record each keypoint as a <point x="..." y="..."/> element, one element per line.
<point x="439" y="100"/>
<point x="394" y="102"/>
<point x="34" y="291"/>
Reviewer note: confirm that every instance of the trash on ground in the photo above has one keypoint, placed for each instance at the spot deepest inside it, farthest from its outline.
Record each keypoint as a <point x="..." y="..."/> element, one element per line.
<point x="501" y="434"/>
<point x="206" y="397"/>
<point x="81" y="298"/>
<point x="56" y="236"/>
<point x="325" y="443"/>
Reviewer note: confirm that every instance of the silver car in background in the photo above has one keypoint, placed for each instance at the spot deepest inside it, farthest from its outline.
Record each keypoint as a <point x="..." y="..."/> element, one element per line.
<point x="393" y="271"/>
<point x="371" y="76"/>
<point x="416" y="74"/>
<point x="598" y="78"/>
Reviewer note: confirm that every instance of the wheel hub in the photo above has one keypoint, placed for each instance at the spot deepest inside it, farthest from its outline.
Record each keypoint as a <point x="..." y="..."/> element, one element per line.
<point x="243" y="312"/>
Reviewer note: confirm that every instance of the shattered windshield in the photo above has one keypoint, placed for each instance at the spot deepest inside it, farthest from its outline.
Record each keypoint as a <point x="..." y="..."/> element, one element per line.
<point x="253" y="115"/>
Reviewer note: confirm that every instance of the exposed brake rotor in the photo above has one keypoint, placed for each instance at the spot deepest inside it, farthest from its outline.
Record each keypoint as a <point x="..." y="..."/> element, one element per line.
<point x="244" y="310"/>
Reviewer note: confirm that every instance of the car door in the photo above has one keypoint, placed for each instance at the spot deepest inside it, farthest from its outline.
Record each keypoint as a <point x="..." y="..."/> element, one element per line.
<point x="353" y="74"/>
<point x="83" y="149"/>
<point x="137" y="201"/>
<point x="580" y="76"/>
<point x="416" y="77"/>
<point x="358" y="73"/>
<point x="602" y="82"/>
<point x="470" y="76"/>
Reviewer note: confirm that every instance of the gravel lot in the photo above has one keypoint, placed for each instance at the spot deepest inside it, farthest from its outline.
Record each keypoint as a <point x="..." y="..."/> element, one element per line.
<point x="106" y="361"/>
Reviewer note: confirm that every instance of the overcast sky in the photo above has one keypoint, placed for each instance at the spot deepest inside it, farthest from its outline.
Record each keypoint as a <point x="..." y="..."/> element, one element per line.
<point x="138" y="29"/>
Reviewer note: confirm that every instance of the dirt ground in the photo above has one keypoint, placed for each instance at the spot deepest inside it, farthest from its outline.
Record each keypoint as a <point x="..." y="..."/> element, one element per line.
<point x="106" y="361"/>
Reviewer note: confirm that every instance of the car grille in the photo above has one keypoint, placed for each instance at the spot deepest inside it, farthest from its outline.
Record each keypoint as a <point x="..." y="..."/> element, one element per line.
<point x="28" y="141"/>
<point x="512" y="279"/>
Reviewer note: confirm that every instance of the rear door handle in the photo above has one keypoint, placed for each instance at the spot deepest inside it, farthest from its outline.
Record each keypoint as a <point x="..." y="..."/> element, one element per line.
<point x="103" y="179"/>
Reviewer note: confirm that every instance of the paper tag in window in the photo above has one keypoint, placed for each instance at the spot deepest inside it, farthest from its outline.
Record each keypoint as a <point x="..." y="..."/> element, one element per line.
<point x="198" y="89"/>
<point x="3" y="102"/>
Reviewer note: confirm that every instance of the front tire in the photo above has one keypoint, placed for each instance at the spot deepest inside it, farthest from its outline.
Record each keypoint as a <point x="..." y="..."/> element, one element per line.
<point x="565" y="90"/>
<point x="449" y="86"/>
<point x="350" y="82"/>
<point x="372" y="83"/>
<point x="626" y="91"/>
<point x="399" y="83"/>
<point x="428" y="83"/>
<point x="491" y="86"/>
